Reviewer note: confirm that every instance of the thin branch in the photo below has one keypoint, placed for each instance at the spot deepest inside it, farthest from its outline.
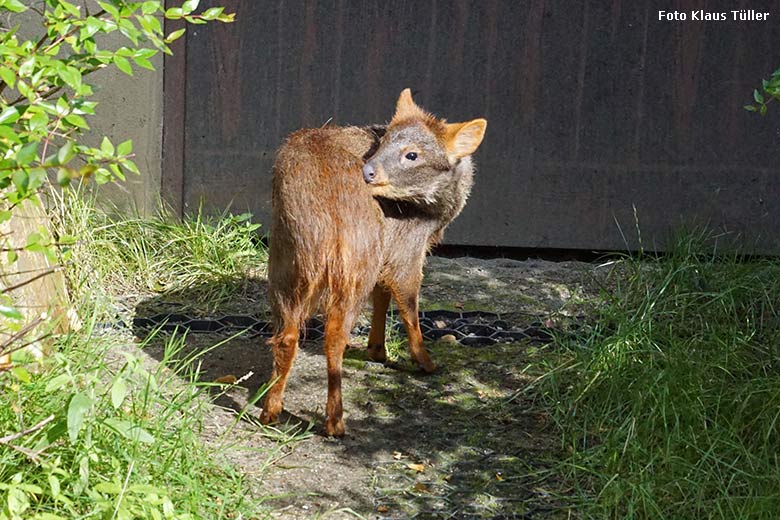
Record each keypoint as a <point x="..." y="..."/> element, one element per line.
<point x="19" y="335"/>
<point x="32" y="455"/>
<point x="31" y="280"/>
<point x="23" y="345"/>
<point x="26" y="271"/>
<point x="8" y="438"/>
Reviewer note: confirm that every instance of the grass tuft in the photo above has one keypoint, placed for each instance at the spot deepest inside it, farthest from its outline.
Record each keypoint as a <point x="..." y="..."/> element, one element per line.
<point x="99" y="429"/>
<point x="124" y="438"/>
<point x="206" y="258"/>
<point x="669" y="404"/>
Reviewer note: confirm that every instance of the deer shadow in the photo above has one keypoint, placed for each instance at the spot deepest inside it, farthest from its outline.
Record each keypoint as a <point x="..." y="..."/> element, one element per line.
<point x="478" y="440"/>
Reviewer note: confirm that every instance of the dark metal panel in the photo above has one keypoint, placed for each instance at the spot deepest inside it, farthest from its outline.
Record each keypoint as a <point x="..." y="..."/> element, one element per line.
<point x="174" y="110"/>
<point x="595" y="109"/>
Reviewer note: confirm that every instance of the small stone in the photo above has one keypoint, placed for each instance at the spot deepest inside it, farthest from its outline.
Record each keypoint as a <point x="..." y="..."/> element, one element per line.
<point x="449" y="338"/>
<point x="440" y="324"/>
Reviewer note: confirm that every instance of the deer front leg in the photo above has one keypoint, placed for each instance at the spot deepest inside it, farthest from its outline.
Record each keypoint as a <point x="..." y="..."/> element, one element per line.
<point x="406" y="297"/>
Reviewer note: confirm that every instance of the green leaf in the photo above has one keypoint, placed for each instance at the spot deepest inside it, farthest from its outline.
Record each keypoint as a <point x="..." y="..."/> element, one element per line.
<point x="118" y="392"/>
<point x="8" y="76"/>
<point x="71" y="76"/>
<point x="102" y="176"/>
<point x="77" y="412"/>
<point x="15" y="6"/>
<point x="9" y="115"/>
<point x="150" y="7"/>
<point x="151" y="24"/>
<point x="17" y="502"/>
<point x="189" y="6"/>
<point x="227" y="18"/>
<point x="125" y="148"/>
<point x="66" y="153"/>
<point x="129" y="430"/>
<point x="143" y="62"/>
<point x="21" y="180"/>
<point x="25" y="90"/>
<point x="58" y="382"/>
<point x="21" y="374"/>
<point x="757" y="96"/>
<point x="106" y="147"/>
<point x="110" y="9"/>
<point x="131" y="166"/>
<point x="212" y="13"/>
<point x="39" y="122"/>
<point x="76" y="121"/>
<point x="6" y="132"/>
<point x="10" y="312"/>
<point x="34" y="238"/>
<point x="62" y="106"/>
<point x="70" y="8"/>
<point x="37" y="178"/>
<point x="147" y="489"/>
<point x="27" y="66"/>
<point x="63" y="177"/>
<point x="109" y="488"/>
<point x="123" y="65"/>
<point x="196" y="20"/>
<point x="116" y="171"/>
<point x="27" y="154"/>
<point x="92" y="26"/>
<point x="175" y="35"/>
<point x="54" y="484"/>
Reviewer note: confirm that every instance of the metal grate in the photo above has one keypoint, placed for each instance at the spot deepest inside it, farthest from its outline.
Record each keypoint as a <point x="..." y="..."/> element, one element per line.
<point x="471" y="328"/>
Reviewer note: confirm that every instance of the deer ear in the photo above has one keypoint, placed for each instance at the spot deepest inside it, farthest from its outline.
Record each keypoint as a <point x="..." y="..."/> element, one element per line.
<point x="405" y="107"/>
<point x="463" y="139"/>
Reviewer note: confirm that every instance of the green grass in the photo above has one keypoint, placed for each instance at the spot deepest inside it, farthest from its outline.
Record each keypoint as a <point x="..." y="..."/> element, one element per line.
<point x="669" y="403"/>
<point x="206" y="258"/>
<point x="124" y="439"/>
<point x="99" y="429"/>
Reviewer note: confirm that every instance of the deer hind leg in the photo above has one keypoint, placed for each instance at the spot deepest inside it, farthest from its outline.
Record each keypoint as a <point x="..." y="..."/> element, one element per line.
<point x="339" y="323"/>
<point x="376" y="336"/>
<point x="285" y="347"/>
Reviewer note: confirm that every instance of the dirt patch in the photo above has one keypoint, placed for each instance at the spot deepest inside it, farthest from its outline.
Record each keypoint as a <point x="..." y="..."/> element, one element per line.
<point x="465" y="442"/>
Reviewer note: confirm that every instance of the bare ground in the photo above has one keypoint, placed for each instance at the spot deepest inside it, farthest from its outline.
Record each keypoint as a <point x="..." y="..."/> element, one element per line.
<point x="465" y="442"/>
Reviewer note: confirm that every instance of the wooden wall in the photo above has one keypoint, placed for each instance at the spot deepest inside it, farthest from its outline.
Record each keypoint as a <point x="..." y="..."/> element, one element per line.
<point x="596" y="110"/>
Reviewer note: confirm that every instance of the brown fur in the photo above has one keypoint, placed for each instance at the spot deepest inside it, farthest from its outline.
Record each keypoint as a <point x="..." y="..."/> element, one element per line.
<point x="338" y="235"/>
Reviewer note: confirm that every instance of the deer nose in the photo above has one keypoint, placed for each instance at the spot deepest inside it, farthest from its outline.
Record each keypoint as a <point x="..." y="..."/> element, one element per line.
<point x="369" y="173"/>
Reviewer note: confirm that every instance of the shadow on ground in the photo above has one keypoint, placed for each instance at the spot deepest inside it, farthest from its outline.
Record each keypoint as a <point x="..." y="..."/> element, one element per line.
<point x="464" y="442"/>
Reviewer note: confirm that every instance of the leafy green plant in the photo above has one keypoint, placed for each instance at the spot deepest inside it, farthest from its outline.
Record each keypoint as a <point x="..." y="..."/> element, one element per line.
<point x="770" y="90"/>
<point x="45" y="105"/>
<point x="104" y="433"/>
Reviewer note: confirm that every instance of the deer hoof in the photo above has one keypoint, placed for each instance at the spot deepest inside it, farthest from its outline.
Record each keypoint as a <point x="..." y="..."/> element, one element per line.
<point x="267" y="417"/>
<point x="377" y="353"/>
<point x="335" y="428"/>
<point x="426" y="364"/>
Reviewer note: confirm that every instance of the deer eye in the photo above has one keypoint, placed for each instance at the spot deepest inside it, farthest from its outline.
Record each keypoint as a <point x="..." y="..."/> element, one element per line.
<point x="412" y="156"/>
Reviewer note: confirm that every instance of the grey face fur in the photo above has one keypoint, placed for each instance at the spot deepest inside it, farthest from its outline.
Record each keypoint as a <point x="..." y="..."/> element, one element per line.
<point x="412" y="164"/>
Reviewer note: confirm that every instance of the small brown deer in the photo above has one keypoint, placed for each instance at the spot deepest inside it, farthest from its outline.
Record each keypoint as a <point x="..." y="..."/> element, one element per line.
<point x="352" y="212"/>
